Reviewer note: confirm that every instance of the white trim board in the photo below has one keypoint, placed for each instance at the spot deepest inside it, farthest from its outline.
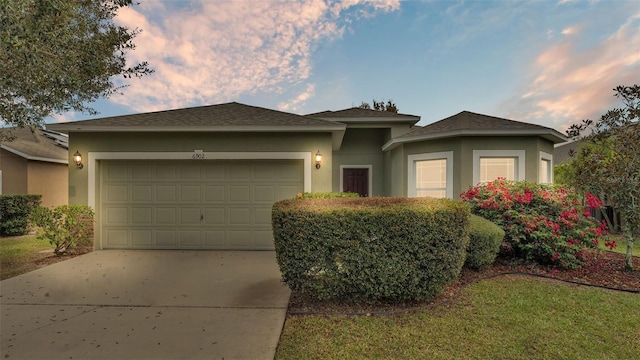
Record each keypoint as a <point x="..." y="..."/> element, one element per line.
<point x="96" y="156"/>
<point x="411" y="170"/>
<point x="370" y="167"/>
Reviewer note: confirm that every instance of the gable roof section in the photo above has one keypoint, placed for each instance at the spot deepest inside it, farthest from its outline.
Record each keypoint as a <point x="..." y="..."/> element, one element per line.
<point x="467" y="123"/>
<point x="229" y="117"/>
<point x="38" y="145"/>
<point x="359" y="115"/>
<point x="223" y="117"/>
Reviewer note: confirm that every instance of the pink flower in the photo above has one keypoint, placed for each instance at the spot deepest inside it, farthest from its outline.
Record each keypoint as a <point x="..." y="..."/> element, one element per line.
<point x="593" y="201"/>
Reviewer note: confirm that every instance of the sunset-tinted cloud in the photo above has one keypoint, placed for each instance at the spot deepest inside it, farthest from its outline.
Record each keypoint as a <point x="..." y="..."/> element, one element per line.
<point x="213" y="51"/>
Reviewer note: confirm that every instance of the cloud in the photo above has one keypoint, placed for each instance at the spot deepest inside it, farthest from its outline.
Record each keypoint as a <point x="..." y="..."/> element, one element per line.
<point x="294" y="104"/>
<point x="571" y="30"/>
<point x="206" y="52"/>
<point x="571" y="83"/>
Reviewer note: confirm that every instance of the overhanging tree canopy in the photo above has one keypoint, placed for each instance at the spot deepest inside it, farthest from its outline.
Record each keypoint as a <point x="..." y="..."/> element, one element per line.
<point x="60" y="55"/>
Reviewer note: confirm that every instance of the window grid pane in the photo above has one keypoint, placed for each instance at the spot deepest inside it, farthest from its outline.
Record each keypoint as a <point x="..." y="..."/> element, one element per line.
<point x="431" y="178"/>
<point x="545" y="171"/>
<point x="492" y="168"/>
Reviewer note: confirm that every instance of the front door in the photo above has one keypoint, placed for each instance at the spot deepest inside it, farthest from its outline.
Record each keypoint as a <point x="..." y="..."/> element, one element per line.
<point x="356" y="180"/>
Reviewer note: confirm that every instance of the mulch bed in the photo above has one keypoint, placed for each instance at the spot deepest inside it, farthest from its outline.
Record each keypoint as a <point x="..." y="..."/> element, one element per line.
<point x="606" y="269"/>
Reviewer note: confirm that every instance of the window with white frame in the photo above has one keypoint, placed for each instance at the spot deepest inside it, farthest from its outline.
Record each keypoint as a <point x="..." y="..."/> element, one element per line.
<point x="489" y="165"/>
<point x="545" y="170"/>
<point x="431" y="175"/>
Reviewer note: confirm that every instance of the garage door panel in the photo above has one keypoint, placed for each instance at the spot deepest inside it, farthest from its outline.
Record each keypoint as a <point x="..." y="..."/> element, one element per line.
<point x="239" y="216"/>
<point x="142" y="216"/>
<point x="142" y="171"/>
<point x="190" y="193"/>
<point x="214" y="193"/>
<point x="116" y="237"/>
<point x="205" y="204"/>
<point x="263" y="239"/>
<point x="141" y="193"/>
<point x="264" y="171"/>
<point x="265" y="193"/>
<point x="190" y="215"/>
<point x="142" y="238"/>
<point x="166" y="216"/>
<point x="239" y="193"/>
<point x="215" y="239"/>
<point x="189" y="172"/>
<point x="215" y="171"/>
<point x="240" y="238"/>
<point x="215" y="216"/>
<point x="262" y="216"/>
<point x="117" y="193"/>
<point x="115" y="172"/>
<point x="165" y="238"/>
<point x="190" y="238"/>
<point x="165" y="172"/>
<point x="117" y="216"/>
<point x="166" y="193"/>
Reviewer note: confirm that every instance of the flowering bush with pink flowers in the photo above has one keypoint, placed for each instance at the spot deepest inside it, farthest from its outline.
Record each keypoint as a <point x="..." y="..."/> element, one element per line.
<point x="542" y="223"/>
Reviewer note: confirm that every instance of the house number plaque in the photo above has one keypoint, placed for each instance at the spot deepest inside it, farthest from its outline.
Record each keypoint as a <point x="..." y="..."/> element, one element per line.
<point x="198" y="155"/>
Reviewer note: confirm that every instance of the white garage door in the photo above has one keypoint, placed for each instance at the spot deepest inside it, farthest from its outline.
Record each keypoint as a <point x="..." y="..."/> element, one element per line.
<point x="197" y="204"/>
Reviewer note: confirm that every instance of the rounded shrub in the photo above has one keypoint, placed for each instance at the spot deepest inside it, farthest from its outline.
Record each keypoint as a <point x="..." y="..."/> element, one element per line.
<point x="484" y="244"/>
<point x="370" y="249"/>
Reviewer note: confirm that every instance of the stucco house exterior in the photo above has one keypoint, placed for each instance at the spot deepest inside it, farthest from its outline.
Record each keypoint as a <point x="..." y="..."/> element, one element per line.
<point x="206" y="177"/>
<point x="35" y="162"/>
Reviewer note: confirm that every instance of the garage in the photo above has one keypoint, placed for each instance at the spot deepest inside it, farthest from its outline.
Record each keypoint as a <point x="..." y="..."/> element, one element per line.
<point x="193" y="204"/>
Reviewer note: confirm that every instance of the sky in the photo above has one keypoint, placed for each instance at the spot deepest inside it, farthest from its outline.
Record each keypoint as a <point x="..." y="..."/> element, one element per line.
<point x="551" y="63"/>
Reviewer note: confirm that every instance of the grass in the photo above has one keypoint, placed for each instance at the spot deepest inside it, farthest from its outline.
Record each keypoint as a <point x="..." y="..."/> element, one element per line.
<point x="18" y="254"/>
<point x="509" y="317"/>
<point x="622" y="244"/>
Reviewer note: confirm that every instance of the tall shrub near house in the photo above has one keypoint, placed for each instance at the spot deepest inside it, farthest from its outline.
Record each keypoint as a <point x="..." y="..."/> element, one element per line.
<point x="64" y="226"/>
<point x="14" y="213"/>
<point x="542" y="223"/>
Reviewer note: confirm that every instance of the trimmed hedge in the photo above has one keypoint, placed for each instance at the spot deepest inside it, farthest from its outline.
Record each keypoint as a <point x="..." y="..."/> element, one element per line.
<point x="484" y="245"/>
<point x="14" y="213"/>
<point x="370" y="249"/>
<point x="326" y="195"/>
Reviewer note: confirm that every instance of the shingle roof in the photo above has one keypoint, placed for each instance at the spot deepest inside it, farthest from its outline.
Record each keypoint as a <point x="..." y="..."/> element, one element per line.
<point x="359" y="114"/>
<point x="37" y="144"/>
<point x="230" y="117"/>
<point x="467" y="123"/>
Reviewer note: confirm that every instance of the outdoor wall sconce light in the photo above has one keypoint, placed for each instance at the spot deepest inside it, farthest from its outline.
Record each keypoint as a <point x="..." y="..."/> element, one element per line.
<point x="318" y="159"/>
<point x="77" y="157"/>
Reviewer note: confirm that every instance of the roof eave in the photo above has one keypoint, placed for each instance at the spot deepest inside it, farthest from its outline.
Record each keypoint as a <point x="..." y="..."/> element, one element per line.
<point x="72" y="129"/>
<point x="32" y="157"/>
<point x="549" y="134"/>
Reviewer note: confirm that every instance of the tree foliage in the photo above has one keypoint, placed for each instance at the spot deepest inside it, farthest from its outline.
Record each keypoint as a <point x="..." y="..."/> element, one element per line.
<point x="389" y="106"/>
<point x="611" y="163"/>
<point x="59" y="55"/>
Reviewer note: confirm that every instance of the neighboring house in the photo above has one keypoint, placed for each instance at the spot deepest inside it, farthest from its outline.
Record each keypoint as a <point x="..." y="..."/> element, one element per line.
<point x="206" y="177"/>
<point x="35" y="162"/>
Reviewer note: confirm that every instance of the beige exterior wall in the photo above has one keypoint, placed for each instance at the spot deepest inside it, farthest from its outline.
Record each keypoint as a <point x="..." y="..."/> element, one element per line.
<point x="14" y="173"/>
<point x="188" y="142"/>
<point x="22" y="176"/>
<point x="51" y="180"/>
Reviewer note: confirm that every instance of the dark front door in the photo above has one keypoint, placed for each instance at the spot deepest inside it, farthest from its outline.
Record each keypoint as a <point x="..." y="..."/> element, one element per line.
<point x="356" y="180"/>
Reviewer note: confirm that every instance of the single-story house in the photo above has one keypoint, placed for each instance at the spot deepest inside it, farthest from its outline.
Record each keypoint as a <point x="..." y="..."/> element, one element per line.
<point x="206" y="177"/>
<point x="35" y="162"/>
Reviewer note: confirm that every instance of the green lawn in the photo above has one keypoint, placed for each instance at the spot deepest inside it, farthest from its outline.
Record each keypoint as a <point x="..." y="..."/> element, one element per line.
<point x="622" y="244"/>
<point x="18" y="253"/>
<point x="509" y="317"/>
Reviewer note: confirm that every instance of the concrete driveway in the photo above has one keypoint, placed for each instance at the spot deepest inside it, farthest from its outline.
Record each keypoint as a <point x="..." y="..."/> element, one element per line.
<point x="115" y="304"/>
